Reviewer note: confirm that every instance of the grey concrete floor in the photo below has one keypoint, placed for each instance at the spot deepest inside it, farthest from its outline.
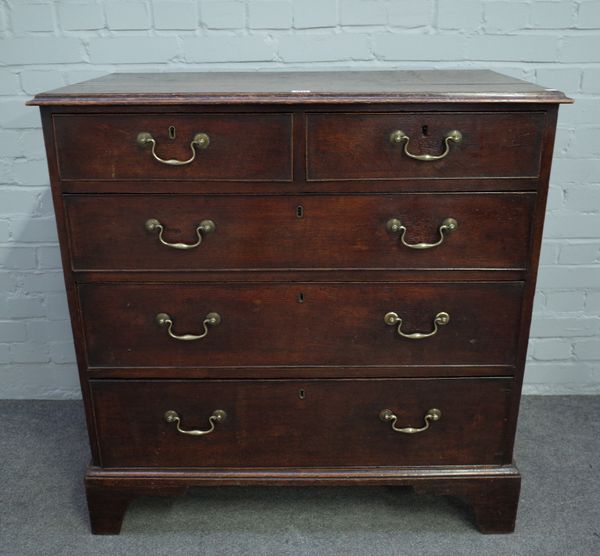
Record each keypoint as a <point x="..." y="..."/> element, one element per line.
<point x="44" y="452"/>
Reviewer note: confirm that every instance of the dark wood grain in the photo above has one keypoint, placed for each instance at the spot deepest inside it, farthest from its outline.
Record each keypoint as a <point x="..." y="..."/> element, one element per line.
<point x="358" y="146"/>
<point x="301" y="423"/>
<point x="301" y="87"/>
<point x="250" y="147"/>
<point x="299" y="232"/>
<point x="271" y="325"/>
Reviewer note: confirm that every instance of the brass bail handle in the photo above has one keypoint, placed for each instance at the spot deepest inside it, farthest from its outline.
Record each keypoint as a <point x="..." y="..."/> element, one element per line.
<point x="218" y="416"/>
<point x="397" y="137"/>
<point x="392" y="319"/>
<point x="205" y="227"/>
<point x="388" y="416"/>
<point x="164" y="320"/>
<point x="395" y="226"/>
<point x="200" y="140"/>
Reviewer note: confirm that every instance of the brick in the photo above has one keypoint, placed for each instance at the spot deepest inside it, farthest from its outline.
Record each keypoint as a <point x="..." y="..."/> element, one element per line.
<point x="62" y="352"/>
<point x="570" y="171"/>
<point x="564" y="79"/>
<point x="419" y="47"/>
<point x="587" y="349"/>
<point x="582" y="253"/>
<point x="33" y="229"/>
<point x="43" y="282"/>
<point x="465" y="15"/>
<point x="8" y="282"/>
<point x="41" y="50"/>
<point x="539" y="302"/>
<point x="176" y="15"/>
<point x="31" y="144"/>
<point x="224" y="49"/>
<point x="13" y="332"/>
<point x="18" y="201"/>
<point x="15" y="115"/>
<point x="552" y="15"/>
<point x="269" y="15"/>
<point x="56" y="306"/>
<point x="9" y="143"/>
<point x="31" y="172"/>
<point x="43" y="331"/>
<point x="221" y="14"/>
<point x="49" y="257"/>
<point x="535" y="48"/>
<point x="554" y="327"/>
<point x="362" y="12"/>
<point x="585" y="144"/>
<point x="569" y="277"/>
<point x="22" y="307"/>
<point x="549" y="254"/>
<point x="4" y="231"/>
<point x="547" y="350"/>
<point x="409" y="14"/>
<point x="77" y="76"/>
<point x="133" y="50"/>
<point x="565" y="302"/>
<point x="29" y="353"/>
<point x="589" y="15"/>
<point x="35" y="81"/>
<point x="17" y="257"/>
<point x="81" y="17"/>
<point x="592" y="302"/>
<point x="555" y="198"/>
<point x="560" y="373"/>
<point x="591" y="81"/>
<point x="572" y="225"/>
<point x="579" y="49"/>
<point x="314" y="13"/>
<point x="504" y="17"/>
<point x="9" y="83"/>
<point x="584" y="111"/>
<point x="127" y="15"/>
<point x="31" y="17"/>
<point x="583" y="198"/>
<point x="324" y="48"/>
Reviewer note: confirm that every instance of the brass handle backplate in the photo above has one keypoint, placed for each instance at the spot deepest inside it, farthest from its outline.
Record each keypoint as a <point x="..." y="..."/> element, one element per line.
<point x="398" y="136"/>
<point x="394" y="226"/>
<point x="387" y="415"/>
<point x="205" y="227"/>
<point x="218" y="416"/>
<point x="441" y="319"/>
<point x="200" y="140"/>
<point x="212" y="319"/>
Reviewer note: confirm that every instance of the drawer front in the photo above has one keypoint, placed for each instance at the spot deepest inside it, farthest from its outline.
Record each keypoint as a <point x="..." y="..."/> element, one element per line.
<point x="301" y="423"/>
<point x="108" y="232"/>
<point x="359" y="146"/>
<point x="244" y="147"/>
<point x="300" y="324"/>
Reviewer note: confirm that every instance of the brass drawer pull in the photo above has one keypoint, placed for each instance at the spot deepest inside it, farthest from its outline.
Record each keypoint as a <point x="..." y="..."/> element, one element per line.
<point x="387" y="415"/>
<point x="441" y="319"/>
<point x="394" y="225"/>
<point x="399" y="136"/>
<point x="218" y="416"/>
<point x="200" y="140"/>
<point x="205" y="227"/>
<point x="212" y="319"/>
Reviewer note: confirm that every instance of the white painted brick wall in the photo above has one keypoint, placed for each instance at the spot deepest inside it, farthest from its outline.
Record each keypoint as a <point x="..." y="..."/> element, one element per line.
<point x="45" y="44"/>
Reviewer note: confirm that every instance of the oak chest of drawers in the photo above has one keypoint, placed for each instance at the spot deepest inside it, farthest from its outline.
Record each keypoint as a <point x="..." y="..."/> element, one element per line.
<point x="301" y="278"/>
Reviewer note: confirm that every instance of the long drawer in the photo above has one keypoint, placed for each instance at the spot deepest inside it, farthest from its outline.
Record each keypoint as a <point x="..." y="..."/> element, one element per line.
<point x="355" y="146"/>
<point x="300" y="324"/>
<point x="245" y="147"/>
<point x="162" y="232"/>
<point x="301" y="423"/>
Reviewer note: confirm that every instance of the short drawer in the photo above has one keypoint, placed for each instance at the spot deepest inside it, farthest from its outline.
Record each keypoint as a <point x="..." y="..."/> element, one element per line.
<point x="245" y="147"/>
<point x="161" y="232"/>
<point x="301" y="423"/>
<point x="300" y="324"/>
<point x="364" y="146"/>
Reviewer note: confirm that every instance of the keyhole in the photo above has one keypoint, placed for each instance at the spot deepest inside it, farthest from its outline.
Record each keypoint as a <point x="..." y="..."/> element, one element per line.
<point x="299" y="211"/>
<point x="172" y="132"/>
<point x="301" y="393"/>
<point x="301" y="297"/>
<point x="425" y="130"/>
